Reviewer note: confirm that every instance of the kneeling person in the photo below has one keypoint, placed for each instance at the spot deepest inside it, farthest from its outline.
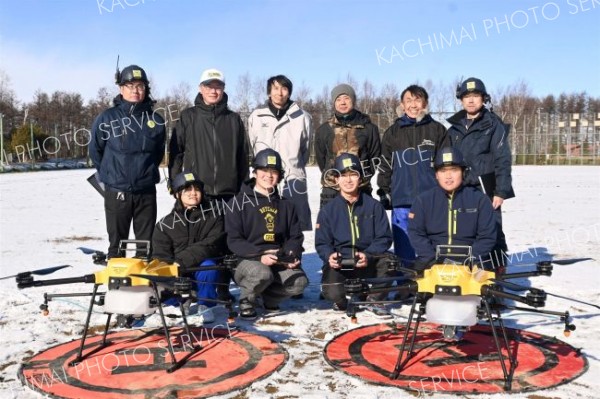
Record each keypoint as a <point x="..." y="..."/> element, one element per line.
<point x="352" y="226"/>
<point x="191" y="237"/>
<point x="264" y="231"/>
<point x="451" y="214"/>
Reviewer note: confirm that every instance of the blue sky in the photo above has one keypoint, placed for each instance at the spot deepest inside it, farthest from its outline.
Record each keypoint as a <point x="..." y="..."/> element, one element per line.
<point x="72" y="45"/>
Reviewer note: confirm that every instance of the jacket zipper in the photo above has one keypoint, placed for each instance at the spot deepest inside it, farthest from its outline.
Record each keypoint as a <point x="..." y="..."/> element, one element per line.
<point x="214" y="133"/>
<point x="451" y="220"/>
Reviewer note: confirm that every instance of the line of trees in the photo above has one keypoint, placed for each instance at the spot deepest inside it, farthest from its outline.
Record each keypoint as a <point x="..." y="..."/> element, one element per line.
<point x="61" y="113"/>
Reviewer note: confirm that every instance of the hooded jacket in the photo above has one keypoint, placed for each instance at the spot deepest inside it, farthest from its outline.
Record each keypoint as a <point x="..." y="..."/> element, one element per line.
<point x="465" y="217"/>
<point x="485" y="147"/>
<point x="290" y="136"/>
<point x="210" y="140"/>
<point x="408" y="149"/>
<point x="127" y="146"/>
<point x="355" y="134"/>
<point x="255" y="223"/>
<point x="189" y="236"/>
<point x="362" y="226"/>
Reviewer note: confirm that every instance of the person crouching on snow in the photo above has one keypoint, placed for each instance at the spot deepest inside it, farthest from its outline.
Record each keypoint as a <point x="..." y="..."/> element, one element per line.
<point x="353" y="227"/>
<point x="264" y="232"/>
<point x="191" y="237"/>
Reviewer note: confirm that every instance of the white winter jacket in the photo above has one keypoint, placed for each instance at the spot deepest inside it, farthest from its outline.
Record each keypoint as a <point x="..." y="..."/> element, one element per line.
<point x="290" y="137"/>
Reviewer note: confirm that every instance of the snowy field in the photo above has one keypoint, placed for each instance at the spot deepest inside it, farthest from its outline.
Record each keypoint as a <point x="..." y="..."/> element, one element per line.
<point x="45" y="216"/>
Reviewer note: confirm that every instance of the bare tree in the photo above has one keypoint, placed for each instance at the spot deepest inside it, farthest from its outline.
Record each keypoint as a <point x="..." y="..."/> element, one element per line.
<point x="302" y="94"/>
<point x="367" y="97"/>
<point x="259" y="91"/>
<point x="243" y="94"/>
<point x="389" y="100"/>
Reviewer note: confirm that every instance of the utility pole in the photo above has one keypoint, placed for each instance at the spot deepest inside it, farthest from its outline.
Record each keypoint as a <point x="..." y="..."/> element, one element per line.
<point x="31" y="134"/>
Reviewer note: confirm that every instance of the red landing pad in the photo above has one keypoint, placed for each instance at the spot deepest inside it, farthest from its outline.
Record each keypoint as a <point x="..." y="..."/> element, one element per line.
<point x="135" y="364"/>
<point x="468" y="366"/>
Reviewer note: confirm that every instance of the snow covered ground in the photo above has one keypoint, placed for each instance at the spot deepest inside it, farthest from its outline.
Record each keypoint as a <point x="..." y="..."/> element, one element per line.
<point x="45" y="216"/>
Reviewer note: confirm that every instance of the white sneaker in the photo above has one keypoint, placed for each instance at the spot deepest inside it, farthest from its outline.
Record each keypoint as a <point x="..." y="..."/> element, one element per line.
<point x="206" y="313"/>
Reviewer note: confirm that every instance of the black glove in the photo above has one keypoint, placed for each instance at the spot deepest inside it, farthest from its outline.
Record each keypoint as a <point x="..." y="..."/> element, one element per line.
<point x="385" y="199"/>
<point x="422" y="264"/>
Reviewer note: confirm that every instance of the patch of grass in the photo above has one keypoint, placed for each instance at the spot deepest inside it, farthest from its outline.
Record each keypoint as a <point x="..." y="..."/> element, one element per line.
<point x="332" y="385"/>
<point x="242" y="395"/>
<point x="284" y="323"/>
<point x="5" y="365"/>
<point x="292" y="343"/>
<point x="319" y="335"/>
<point x="271" y="389"/>
<point x="299" y="363"/>
<point x="62" y="240"/>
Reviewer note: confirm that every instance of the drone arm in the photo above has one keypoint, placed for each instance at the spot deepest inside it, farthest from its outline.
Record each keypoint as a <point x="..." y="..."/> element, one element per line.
<point x="406" y="289"/>
<point x="30" y="282"/>
<point x="542" y="269"/>
<point x="535" y="298"/>
<point x="509" y="276"/>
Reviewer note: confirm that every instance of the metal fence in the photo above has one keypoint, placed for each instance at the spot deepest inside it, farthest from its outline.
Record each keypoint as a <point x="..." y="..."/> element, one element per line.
<point x="539" y="139"/>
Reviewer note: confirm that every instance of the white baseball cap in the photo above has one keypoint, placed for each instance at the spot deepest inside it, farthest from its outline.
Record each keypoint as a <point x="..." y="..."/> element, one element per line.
<point x="212" y="74"/>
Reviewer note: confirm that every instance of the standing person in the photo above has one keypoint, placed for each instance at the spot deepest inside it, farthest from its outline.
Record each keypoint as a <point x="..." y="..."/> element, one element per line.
<point x="282" y="125"/>
<point x="451" y="214"/>
<point x="347" y="131"/>
<point x="264" y="232"/>
<point x="127" y="146"/>
<point x="352" y="226"/>
<point x="191" y="237"/>
<point x="408" y="148"/>
<point x="210" y="140"/>
<point x="482" y="138"/>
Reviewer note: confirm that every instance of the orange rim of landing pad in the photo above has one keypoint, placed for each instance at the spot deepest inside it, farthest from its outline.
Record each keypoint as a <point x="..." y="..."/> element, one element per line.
<point x="468" y="366"/>
<point x="135" y="364"/>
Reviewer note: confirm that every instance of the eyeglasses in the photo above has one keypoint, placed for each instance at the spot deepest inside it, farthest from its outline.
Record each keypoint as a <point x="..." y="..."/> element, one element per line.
<point x="210" y="87"/>
<point x="135" y="87"/>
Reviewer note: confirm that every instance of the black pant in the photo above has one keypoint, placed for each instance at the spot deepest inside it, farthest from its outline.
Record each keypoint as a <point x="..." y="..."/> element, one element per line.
<point x="333" y="279"/>
<point x="120" y="209"/>
<point x="225" y="277"/>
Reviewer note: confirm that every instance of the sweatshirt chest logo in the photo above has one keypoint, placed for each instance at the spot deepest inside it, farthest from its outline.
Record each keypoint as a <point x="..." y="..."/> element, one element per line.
<point x="269" y="214"/>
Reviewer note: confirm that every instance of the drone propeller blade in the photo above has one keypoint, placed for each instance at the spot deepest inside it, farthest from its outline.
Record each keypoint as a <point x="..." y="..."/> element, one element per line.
<point x="518" y="287"/>
<point x="38" y="272"/>
<point x="569" y="261"/>
<point x="88" y="251"/>
<point x="573" y="300"/>
<point x="49" y="270"/>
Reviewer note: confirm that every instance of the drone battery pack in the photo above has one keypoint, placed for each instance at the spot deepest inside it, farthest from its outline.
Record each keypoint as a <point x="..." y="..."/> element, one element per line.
<point x="453" y="310"/>
<point x="137" y="301"/>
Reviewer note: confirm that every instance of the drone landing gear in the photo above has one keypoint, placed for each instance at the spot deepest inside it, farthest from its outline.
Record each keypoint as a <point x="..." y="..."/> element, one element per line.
<point x="450" y="332"/>
<point x="176" y="365"/>
<point x="400" y="363"/>
<point x="103" y="344"/>
<point x="512" y="357"/>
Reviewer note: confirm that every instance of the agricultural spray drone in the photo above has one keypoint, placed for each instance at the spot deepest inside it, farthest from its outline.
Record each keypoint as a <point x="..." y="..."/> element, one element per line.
<point x="135" y="287"/>
<point x="458" y="295"/>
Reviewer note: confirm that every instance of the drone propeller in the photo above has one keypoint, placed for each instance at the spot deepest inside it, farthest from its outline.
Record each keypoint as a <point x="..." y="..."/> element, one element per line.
<point x="560" y="262"/>
<point x="569" y="261"/>
<point x="89" y="251"/>
<point x="38" y="272"/>
<point x="518" y="287"/>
